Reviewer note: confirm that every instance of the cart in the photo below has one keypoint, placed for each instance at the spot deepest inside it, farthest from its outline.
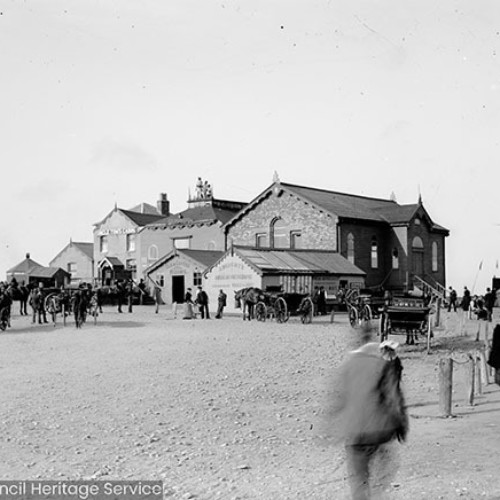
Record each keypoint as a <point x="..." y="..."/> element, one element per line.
<point x="364" y="305"/>
<point x="406" y="316"/>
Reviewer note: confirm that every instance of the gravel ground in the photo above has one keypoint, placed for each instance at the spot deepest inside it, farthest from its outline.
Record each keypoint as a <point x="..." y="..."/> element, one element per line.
<point x="226" y="409"/>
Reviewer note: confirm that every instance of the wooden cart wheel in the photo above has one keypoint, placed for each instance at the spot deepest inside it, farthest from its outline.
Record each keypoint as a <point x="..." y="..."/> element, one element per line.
<point x="367" y="313"/>
<point x="281" y="310"/>
<point x="353" y="316"/>
<point x="307" y="311"/>
<point x="260" y="311"/>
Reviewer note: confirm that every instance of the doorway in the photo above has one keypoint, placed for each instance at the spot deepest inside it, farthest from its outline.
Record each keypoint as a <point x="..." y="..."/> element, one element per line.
<point x="178" y="290"/>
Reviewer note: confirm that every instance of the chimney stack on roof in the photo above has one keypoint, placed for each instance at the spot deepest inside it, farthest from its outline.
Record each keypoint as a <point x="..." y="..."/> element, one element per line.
<point x="27" y="255"/>
<point x="163" y="205"/>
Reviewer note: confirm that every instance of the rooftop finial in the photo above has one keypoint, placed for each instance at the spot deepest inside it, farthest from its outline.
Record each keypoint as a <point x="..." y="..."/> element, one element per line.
<point x="276" y="177"/>
<point x="393" y="196"/>
<point x="419" y="196"/>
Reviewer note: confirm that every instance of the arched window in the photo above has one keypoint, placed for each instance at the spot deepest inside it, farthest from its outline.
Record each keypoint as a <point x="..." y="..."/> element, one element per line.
<point x="417" y="243"/>
<point x="153" y="253"/>
<point x="395" y="258"/>
<point x="350" y="248"/>
<point x="278" y="233"/>
<point x="374" y="253"/>
<point x="434" y="256"/>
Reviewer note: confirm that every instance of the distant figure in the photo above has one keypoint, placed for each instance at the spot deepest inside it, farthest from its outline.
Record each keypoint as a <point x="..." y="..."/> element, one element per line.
<point x="452" y="300"/>
<point x="489" y="303"/>
<point x="202" y="303"/>
<point x="466" y="300"/>
<point x="188" y="305"/>
<point x="129" y="292"/>
<point x="142" y="291"/>
<point x="321" y="301"/>
<point x="479" y="309"/>
<point x="157" y="297"/>
<point x="369" y="410"/>
<point x="120" y="293"/>
<point x="37" y="301"/>
<point x="494" y="357"/>
<point x="221" y="303"/>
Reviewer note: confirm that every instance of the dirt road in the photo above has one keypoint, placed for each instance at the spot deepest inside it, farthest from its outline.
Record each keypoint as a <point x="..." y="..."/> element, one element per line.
<point x="224" y="409"/>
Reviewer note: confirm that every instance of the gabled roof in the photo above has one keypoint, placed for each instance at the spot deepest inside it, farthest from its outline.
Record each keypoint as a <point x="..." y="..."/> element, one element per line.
<point x="266" y="261"/>
<point x="399" y="213"/>
<point x="46" y="272"/>
<point x="24" y="266"/>
<point x="205" y="258"/>
<point x="145" y="208"/>
<point x="112" y="261"/>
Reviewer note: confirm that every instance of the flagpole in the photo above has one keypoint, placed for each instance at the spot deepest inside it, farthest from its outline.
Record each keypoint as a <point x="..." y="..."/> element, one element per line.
<point x="477" y="274"/>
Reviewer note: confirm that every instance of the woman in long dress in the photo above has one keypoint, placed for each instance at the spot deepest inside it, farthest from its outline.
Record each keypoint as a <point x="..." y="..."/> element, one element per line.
<point x="188" y="305"/>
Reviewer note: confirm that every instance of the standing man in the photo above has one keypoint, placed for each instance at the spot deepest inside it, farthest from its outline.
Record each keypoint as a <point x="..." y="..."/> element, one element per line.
<point x="129" y="291"/>
<point x="321" y="301"/>
<point x="466" y="300"/>
<point x="221" y="303"/>
<point x="119" y="294"/>
<point x="489" y="302"/>
<point x="38" y="304"/>
<point x="370" y="408"/>
<point x="452" y="300"/>
<point x="142" y="291"/>
<point x="202" y="301"/>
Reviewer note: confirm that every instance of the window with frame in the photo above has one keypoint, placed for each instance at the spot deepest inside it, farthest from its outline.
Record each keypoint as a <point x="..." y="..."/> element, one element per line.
<point x="295" y="239"/>
<point x="395" y="258"/>
<point x="434" y="256"/>
<point x="130" y="242"/>
<point x="131" y="265"/>
<point x="182" y="242"/>
<point x="72" y="267"/>
<point x="103" y="244"/>
<point x="374" y="253"/>
<point x="160" y="279"/>
<point x="261" y="240"/>
<point x="350" y="248"/>
<point x="197" y="279"/>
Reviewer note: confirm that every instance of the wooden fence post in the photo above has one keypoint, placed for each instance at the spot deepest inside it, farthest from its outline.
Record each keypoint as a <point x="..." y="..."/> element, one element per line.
<point x="478" y="374"/>
<point x="469" y="381"/>
<point x="445" y="385"/>
<point x="485" y="373"/>
<point x="64" y="314"/>
<point x="438" y="312"/>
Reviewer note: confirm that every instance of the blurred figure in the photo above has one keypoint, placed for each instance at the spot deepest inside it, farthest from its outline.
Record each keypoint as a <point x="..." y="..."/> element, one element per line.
<point x="489" y="303"/>
<point x="221" y="303"/>
<point x="466" y="301"/>
<point x="368" y="408"/>
<point x="452" y="297"/>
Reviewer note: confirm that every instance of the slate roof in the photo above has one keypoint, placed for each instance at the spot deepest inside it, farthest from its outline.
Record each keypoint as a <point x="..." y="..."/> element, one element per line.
<point x="114" y="261"/>
<point x="196" y="215"/>
<point x="46" y="272"/>
<point x="24" y="266"/>
<point x="298" y="261"/>
<point x="86" y="248"/>
<point x="141" y="219"/>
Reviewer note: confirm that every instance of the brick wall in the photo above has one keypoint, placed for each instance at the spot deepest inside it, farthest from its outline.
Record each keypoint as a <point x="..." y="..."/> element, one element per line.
<point x="318" y="228"/>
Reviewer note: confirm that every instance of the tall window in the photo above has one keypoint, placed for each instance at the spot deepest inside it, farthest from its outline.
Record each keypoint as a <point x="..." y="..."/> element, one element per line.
<point x="278" y="233"/>
<point x="350" y="248"/>
<point x="130" y="242"/>
<point x="395" y="259"/>
<point x="103" y="244"/>
<point x="72" y="267"/>
<point x="197" y="279"/>
<point x="295" y="239"/>
<point x="153" y="253"/>
<point x="374" y="253"/>
<point x="434" y="256"/>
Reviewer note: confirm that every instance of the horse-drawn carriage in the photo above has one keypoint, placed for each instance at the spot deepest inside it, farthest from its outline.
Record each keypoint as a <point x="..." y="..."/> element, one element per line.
<point x="273" y="304"/>
<point x="364" y="305"/>
<point x="76" y="300"/>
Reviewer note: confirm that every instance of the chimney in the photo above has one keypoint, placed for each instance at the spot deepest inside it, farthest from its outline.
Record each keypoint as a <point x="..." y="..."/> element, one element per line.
<point x="163" y="205"/>
<point x="28" y="255"/>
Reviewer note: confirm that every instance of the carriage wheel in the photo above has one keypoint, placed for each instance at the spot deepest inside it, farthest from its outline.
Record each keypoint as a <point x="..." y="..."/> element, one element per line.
<point x="353" y="316"/>
<point x="280" y="310"/>
<point x="366" y="313"/>
<point x="260" y="311"/>
<point x="307" y="311"/>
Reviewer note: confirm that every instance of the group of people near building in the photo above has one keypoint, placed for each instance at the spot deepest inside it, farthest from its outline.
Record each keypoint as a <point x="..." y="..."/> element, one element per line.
<point x="479" y="305"/>
<point x="200" y="303"/>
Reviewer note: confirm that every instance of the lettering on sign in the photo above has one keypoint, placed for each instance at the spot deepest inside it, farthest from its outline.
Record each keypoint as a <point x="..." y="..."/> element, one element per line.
<point x="122" y="230"/>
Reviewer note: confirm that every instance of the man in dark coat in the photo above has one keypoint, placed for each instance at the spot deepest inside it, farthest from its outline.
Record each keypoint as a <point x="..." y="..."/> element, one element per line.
<point x="202" y="302"/>
<point x="489" y="302"/>
<point x="494" y="357"/>
<point x="221" y="303"/>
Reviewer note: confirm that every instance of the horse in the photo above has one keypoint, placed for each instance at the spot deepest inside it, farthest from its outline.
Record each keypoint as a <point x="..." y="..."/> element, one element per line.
<point x="249" y="297"/>
<point x="19" y="293"/>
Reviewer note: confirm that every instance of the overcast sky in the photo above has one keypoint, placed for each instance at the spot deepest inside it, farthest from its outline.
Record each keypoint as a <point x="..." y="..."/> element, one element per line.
<point x="106" y="101"/>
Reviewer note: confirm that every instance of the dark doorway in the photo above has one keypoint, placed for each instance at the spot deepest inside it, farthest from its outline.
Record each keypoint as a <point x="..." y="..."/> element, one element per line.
<point x="178" y="292"/>
<point x="418" y="263"/>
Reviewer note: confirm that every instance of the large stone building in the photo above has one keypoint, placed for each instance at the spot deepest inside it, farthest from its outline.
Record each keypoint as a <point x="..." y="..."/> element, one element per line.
<point x="394" y="246"/>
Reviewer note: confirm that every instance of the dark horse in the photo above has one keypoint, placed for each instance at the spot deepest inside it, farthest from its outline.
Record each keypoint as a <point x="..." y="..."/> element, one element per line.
<point x="20" y="293"/>
<point x="249" y="298"/>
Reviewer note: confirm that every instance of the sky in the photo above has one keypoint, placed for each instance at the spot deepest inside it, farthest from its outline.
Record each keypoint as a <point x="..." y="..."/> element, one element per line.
<point x="115" y="101"/>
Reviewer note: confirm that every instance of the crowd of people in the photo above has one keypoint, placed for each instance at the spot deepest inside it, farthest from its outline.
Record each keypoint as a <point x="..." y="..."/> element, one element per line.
<point x="480" y="306"/>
